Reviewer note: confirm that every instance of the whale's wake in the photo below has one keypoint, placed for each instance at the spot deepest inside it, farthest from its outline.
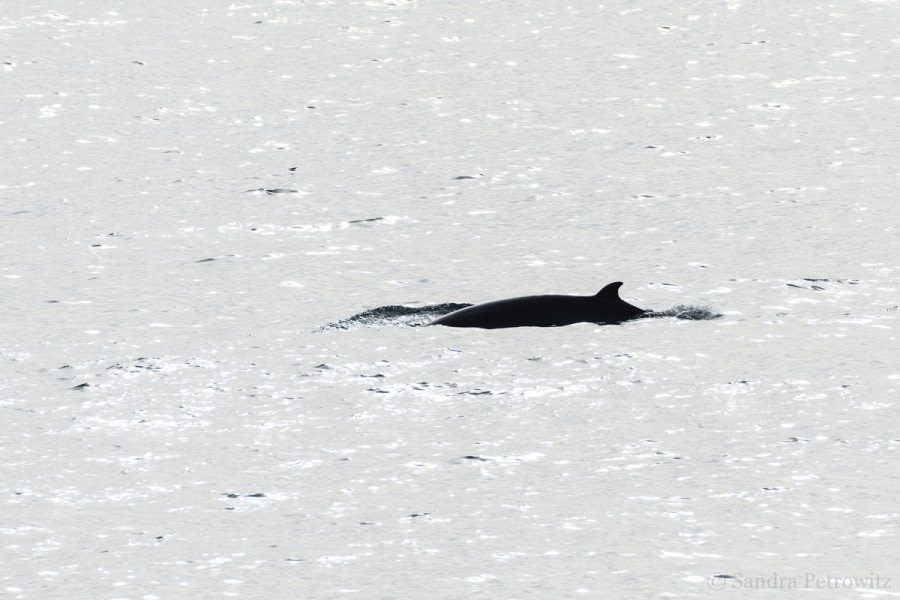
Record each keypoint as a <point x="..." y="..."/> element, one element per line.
<point x="690" y="312"/>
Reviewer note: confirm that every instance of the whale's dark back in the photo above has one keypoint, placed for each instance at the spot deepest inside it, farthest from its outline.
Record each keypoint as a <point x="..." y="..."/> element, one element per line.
<point x="546" y="311"/>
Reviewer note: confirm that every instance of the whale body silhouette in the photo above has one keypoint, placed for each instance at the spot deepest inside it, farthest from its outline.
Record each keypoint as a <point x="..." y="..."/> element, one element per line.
<point x="605" y="307"/>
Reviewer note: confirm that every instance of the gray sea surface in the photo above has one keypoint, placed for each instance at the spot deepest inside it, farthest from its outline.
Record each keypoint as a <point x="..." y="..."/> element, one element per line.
<point x="199" y="199"/>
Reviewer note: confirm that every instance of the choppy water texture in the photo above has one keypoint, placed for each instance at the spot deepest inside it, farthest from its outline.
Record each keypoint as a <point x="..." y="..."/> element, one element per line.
<point x="190" y="192"/>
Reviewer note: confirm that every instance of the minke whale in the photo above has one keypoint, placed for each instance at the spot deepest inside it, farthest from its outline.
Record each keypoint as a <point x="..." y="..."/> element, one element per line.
<point x="605" y="307"/>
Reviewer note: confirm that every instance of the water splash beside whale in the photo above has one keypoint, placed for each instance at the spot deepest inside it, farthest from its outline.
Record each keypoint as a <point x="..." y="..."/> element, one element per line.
<point x="396" y="315"/>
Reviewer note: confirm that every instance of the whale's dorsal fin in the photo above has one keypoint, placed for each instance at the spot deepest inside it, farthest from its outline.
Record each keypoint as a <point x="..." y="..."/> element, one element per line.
<point x="610" y="292"/>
